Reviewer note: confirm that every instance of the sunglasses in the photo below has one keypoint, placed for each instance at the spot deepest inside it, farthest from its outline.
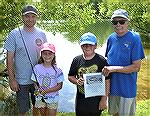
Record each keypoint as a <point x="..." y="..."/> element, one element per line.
<point x="115" y="22"/>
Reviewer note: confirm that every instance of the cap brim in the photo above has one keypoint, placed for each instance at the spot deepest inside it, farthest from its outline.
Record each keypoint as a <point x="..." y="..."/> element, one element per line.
<point x="48" y="50"/>
<point x="29" y="12"/>
<point x="122" y="16"/>
<point x="87" y="42"/>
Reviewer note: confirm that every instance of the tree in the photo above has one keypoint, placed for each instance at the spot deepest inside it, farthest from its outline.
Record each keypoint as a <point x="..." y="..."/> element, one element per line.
<point x="139" y="14"/>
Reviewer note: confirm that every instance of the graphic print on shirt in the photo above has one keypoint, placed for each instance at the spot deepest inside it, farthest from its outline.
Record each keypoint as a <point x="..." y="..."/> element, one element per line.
<point x="38" y="42"/>
<point x="47" y="79"/>
<point x="85" y="70"/>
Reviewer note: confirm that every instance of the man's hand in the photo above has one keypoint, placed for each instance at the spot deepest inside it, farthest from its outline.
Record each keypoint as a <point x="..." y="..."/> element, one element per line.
<point x="109" y="69"/>
<point x="14" y="85"/>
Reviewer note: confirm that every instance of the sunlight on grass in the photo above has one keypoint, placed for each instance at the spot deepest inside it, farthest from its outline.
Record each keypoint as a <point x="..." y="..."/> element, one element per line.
<point x="142" y="109"/>
<point x="143" y="78"/>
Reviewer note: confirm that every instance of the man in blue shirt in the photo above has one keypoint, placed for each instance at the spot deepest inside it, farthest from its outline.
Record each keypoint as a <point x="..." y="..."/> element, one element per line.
<point x="124" y="53"/>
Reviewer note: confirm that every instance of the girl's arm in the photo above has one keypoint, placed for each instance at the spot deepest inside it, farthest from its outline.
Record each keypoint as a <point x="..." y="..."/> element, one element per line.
<point x="53" y="89"/>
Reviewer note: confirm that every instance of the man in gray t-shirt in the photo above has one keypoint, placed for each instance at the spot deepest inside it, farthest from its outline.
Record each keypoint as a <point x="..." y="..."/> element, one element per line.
<point x="22" y="44"/>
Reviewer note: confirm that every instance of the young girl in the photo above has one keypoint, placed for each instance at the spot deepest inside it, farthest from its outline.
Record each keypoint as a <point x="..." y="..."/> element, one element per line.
<point x="49" y="79"/>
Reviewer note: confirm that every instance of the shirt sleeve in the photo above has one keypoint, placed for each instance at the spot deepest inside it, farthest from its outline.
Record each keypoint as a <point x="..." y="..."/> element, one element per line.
<point x="137" y="47"/>
<point x="73" y="67"/>
<point x="10" y="44"/>
<point x="60" y="77"/>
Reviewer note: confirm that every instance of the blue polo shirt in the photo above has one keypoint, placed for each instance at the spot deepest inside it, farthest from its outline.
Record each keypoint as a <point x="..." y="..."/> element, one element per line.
<point x="122" y="51"/>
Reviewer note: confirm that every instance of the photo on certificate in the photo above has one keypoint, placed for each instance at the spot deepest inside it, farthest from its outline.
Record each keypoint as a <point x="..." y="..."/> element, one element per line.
<point x="94" y="84"/>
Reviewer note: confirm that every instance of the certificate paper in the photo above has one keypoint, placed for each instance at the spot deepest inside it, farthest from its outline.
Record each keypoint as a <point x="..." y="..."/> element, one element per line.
<point x="94" y="84"/>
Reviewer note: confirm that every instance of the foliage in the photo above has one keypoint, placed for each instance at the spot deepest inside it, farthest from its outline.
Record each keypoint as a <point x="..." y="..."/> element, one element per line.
<point x="139" y="17"/>
<point x="66" y="1"/>
<point x="64" y="17"/>
<point x="126" y="1"/>
<point x="10" y="15"/>
<point x="10" y="106"/>
<point x="73" y="17"/>
<point x="54" y="17"/>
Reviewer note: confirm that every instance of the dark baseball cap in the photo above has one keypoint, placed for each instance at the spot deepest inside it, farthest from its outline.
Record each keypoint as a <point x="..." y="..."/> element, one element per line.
<point x="29" y="9"/>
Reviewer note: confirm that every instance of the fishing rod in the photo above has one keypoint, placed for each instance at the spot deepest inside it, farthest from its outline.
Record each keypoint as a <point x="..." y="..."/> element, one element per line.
<point x="28" y="56"/>
<point x="36" y="92"/>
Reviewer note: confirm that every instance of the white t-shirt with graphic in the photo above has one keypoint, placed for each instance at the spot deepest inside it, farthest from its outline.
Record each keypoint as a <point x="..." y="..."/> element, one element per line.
<point x="48" y="77"/>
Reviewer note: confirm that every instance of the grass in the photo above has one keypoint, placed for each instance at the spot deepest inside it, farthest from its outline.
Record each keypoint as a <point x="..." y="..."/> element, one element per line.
<point x="142" y="109"/>
<point x="143" y="82"/>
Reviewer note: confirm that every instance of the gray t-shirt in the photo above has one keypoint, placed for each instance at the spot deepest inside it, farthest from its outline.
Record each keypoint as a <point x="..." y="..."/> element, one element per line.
<point x="33" y="41"/>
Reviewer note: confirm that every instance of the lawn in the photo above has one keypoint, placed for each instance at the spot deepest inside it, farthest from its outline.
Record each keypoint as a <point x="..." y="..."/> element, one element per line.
<point x="142" y="109"/>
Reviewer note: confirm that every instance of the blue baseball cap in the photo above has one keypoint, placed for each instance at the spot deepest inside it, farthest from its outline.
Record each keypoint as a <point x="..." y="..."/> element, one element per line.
<point x="120" y="13"/>
<point x="88" y="38"/>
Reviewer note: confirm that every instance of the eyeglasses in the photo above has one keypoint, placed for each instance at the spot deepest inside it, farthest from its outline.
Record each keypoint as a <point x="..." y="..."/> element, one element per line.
<point x="115" y="22"/>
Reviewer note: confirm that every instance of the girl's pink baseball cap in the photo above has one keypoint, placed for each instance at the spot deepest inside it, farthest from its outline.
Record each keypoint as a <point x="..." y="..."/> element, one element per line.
<point x="48" y="46"/>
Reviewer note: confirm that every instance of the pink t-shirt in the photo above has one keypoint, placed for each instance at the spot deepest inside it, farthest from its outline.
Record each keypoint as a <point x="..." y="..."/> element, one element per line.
<point x="48" y="77"/>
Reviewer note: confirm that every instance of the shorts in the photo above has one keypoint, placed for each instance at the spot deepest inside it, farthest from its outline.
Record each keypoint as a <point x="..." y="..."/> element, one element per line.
<point x="121" y="105"/>
<point x="23" y="97"/>
<point x="49" y="102"/>
<point x="86" y="113"/>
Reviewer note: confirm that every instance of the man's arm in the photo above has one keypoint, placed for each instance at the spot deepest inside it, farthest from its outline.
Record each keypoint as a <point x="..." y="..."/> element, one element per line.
<point x="134" y="67"/>
<point x="10" y="67"/>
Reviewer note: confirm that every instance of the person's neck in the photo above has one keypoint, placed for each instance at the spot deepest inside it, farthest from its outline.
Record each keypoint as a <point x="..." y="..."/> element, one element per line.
<point x="28" y="29"/>
<point x="47" y="65"/>
<point x="122" y="34"/>
<point x="88" y="57"/>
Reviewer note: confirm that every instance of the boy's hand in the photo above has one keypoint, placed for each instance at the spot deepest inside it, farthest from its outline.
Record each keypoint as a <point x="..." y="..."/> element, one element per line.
<point x="103" y="103"/>
<point x="80" y="81"/>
